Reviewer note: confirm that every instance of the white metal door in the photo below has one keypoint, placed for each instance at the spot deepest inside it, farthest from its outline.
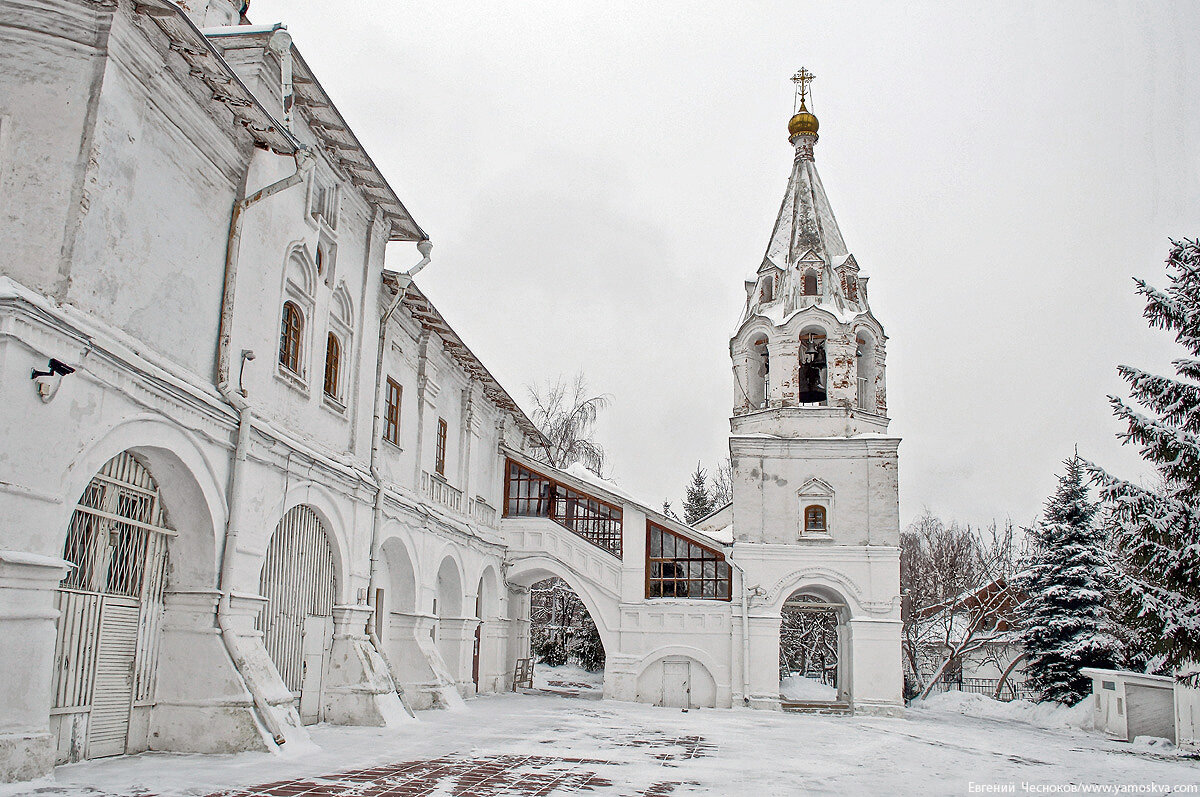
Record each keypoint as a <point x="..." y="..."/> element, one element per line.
<point x="298" y="583"/>
<point x="677" y="684"/>
<point x="108" y="725"/>
<point x="318" y="639"/>
<point x="110" y="610"/>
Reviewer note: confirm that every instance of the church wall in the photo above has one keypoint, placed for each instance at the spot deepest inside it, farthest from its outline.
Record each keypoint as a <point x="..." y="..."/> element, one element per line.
<point x="278" y="263"/>
<point x="51" y="63"/>
<point x="145" y="214"/>
<point x="160" y="183"/>
<point x="770" y="475"/>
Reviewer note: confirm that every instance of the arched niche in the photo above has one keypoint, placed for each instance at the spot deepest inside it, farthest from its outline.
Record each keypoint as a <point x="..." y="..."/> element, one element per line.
<point x="400" y="577"/>
<point x="449" y="589"/>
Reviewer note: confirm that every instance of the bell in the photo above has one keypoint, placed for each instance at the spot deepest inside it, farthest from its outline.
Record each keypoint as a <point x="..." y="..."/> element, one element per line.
<point x="811" y="390"/>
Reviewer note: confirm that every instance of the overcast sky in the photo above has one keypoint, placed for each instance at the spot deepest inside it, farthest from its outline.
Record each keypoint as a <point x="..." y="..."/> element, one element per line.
<point x="599" y="179"/>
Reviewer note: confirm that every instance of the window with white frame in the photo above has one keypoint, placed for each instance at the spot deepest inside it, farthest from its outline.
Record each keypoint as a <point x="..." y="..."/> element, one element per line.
<point x="815" y="502"/>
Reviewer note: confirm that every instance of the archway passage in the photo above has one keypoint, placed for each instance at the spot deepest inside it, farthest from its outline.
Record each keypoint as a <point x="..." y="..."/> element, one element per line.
<point x="299" y="582"/>
<point x="484" y="653"/>
<point x="110" y="610"/>
<point x="810" y="650"/>
<point x="564" y="640"/>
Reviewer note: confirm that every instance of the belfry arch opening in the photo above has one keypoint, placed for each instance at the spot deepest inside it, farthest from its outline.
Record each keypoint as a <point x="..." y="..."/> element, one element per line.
<point x="812" y="645"/>
<point x="758" y="374"/>
<point x="864" y="359"/>
<point x="812" y="372"/>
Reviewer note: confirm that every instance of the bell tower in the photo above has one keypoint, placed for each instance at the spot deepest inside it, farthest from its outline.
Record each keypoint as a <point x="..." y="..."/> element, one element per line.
<point x="815" y="514"/>
<point x="808" y="356"/>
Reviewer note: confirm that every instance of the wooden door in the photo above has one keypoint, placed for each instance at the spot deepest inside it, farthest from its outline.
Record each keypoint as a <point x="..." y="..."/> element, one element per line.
<point x="475" y="655"/>
<point x="315" y="645"/>
<point x="112" y="701"/>
<point x="677" y="684"/>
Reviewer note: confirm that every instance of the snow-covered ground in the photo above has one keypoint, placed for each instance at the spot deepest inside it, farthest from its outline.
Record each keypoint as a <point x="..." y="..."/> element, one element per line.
<point x="569" y="680"/>
<point x="610" y="748"/>
<point x="797" y="687"/>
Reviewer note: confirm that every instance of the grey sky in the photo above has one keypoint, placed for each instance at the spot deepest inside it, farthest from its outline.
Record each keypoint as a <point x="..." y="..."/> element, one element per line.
<point x="599" y="179"/>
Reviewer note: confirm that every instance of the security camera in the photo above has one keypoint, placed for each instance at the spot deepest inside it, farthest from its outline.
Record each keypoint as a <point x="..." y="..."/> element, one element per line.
<point x="57" y="368"/>
<point x="49" y="380"/>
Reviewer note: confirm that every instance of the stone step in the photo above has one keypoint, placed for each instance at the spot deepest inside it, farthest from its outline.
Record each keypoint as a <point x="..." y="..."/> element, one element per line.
<point x="835" y="707"/>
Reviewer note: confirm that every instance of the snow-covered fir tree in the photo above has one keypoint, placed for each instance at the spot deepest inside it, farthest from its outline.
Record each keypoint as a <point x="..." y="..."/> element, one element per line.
<point x="1065" y="623"/>
<point x="698" y="502"/>
<point x="1157" y="530"/>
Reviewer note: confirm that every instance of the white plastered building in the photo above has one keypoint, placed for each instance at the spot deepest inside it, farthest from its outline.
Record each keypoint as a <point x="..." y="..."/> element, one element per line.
<point x="252" y="479"/>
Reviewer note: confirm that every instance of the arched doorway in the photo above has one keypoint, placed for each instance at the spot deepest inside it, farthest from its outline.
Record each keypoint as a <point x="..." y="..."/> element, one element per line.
<point x="484" y="665"/>
<point x="811" y="661"/>
<point x="110" y="607"/>
<point x="398" y="592"/>
<point x="299" y="582"/>
<point x="448" y="608"/>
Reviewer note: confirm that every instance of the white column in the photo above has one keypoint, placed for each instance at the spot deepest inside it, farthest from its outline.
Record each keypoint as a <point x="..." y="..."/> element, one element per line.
<point x="764" y="660"/>
<point x="358" y="688"/>
<point x="201" y="703"/>
<point x="416" y="660"/>
<point x="27" y="626"/>
<point x="877" y="680"/>
<point x="455" y="639"/>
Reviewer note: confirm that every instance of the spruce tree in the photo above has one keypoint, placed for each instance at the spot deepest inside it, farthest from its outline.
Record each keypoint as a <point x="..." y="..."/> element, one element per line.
<point x="1157" y="530"/>
<point x="698" y="502"/>
<point x="1065" y="623"/>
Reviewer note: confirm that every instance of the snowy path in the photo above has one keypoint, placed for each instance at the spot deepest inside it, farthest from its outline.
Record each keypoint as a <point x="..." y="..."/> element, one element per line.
<point x="556" y="744"/>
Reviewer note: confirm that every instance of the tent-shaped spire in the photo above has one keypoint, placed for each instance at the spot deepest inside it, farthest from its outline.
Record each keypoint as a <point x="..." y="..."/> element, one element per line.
<point x="805" y="225"/>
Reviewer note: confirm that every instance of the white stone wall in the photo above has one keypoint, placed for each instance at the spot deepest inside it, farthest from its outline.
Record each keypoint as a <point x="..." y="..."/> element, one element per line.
<point x="120" y="179"/>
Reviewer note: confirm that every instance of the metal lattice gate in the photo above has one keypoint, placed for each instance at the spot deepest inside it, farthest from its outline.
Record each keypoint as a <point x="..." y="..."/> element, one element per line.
<point x="110" y="610"/>
<point x="297" y="623"/>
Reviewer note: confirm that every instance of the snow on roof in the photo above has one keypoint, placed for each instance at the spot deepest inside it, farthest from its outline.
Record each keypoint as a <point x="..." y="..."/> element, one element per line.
<point x="580" y="472"/>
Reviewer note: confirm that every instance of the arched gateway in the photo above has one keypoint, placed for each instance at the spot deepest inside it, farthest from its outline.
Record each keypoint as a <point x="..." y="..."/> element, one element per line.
<point x="110" y="610"/>
<point x="299" y="582"/>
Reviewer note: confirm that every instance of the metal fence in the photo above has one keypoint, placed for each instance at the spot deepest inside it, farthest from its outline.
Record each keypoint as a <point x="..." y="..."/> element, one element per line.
<point x="1012" y="690"/>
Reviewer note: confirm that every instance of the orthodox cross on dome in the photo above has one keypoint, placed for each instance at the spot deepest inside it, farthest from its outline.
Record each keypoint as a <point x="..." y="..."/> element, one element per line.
<point x="802" y="79"/>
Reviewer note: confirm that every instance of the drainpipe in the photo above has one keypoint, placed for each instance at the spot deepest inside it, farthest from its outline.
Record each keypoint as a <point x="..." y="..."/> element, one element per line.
<point x="237" y="399"/>
<point x="746" y="593"/>
<point x="425" y="247"/>
<point x="304" y="164"/>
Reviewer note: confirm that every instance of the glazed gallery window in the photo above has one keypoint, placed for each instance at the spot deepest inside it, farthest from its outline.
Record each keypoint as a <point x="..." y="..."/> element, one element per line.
<point x="333" y="365"/>
<point x="677" y="567"/>
<point x="814" y="520"/>
<point x="439" y="460"/>
<point x="391" y="416"/>
<point x="530" y="494"/>
<point x="290" y="334"/>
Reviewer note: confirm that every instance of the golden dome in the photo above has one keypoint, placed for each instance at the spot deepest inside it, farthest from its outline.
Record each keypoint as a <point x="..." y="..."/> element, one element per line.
<point x="803" y="122"/>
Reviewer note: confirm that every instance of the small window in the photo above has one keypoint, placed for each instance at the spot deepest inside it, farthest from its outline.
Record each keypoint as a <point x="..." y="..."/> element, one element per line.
<point x="289" y="337"/>
<point x="333" y="365"/>
<point x="439" y="462"/>
<point x="814" y="519"/>
<point x="810" y="283"/>
<point x="391" y="418"/>
<point x="768" y="288"/>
